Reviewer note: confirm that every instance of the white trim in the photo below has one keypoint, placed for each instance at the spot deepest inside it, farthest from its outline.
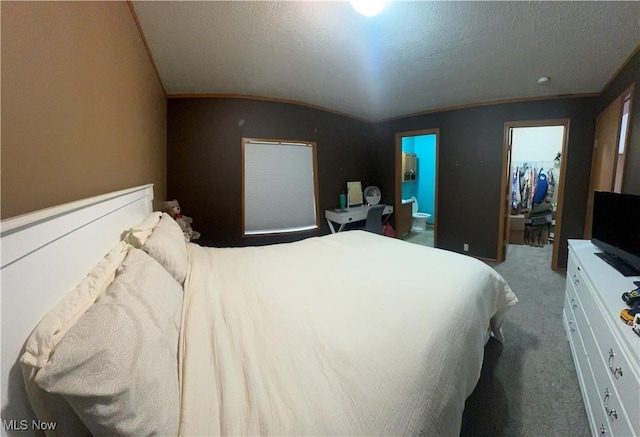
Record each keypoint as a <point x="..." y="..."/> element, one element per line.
<point x="48" y="213"/>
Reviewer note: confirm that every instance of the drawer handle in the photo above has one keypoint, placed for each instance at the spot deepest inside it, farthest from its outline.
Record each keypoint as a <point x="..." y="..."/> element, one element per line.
<point x="571" y="328"/>
<point x="612" y="413"/>
<point x="617" y="372"/>
<point x="603" y="431"/>
<point x="573" y="304"/>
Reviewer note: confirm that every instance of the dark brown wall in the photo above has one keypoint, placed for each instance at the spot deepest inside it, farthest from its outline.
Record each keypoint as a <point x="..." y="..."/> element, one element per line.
<point x="624" y="79"/>
<point x="204" y="162"/>
<point x="471" y="149"/>
<point x="204" y="159"/>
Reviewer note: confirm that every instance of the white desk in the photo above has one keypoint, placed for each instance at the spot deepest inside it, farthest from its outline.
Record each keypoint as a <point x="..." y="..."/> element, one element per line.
<point x="351" y="215"/>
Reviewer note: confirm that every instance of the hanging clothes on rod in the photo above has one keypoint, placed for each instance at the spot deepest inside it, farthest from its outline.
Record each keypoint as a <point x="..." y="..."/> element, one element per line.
<point x="541" y="187"/>
<point x="551" y="182"/>
<point x="530" y="183"/>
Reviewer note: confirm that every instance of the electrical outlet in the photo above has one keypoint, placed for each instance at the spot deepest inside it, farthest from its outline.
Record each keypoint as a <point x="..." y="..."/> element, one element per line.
<point x="466" y="247"/>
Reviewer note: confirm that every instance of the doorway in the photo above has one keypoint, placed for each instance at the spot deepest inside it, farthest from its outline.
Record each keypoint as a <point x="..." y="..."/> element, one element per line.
<point x="609" y="151"/>
<point x="534" y="171"/>
<point x="416" y="186"/>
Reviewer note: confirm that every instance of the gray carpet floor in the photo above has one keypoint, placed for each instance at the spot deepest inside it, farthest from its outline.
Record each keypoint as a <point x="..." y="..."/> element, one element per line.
<point x="529" y="385"/>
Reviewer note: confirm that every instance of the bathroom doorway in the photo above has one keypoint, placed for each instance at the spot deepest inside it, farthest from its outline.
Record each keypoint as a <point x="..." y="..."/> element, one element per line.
<point x="534" y="170"/>
<point x="416" y="186"/>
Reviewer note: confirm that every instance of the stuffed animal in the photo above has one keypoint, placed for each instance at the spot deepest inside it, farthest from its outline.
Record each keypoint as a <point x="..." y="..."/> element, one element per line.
<point x="172" y="208"/>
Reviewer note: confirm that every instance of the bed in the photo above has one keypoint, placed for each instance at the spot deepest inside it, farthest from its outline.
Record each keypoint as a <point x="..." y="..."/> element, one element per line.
<point x="127" y="329"/>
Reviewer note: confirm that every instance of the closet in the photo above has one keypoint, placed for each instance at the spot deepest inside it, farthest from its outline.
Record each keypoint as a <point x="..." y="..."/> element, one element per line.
<point x="533" y="185"/>
<point x="534" y="199"/>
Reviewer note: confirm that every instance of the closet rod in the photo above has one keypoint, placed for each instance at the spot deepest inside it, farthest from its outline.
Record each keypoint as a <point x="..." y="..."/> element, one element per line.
<point x="537" y="164"/>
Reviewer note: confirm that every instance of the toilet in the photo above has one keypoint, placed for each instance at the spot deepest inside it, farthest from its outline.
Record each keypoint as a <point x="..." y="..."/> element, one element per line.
<point x="419" y="218"/>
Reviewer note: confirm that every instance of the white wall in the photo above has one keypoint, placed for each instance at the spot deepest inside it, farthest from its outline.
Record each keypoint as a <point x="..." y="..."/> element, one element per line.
<point x="536" y="144"/>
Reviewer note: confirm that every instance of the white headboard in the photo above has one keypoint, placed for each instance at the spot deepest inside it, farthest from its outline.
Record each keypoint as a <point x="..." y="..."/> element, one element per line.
<point x="44" y="255"/>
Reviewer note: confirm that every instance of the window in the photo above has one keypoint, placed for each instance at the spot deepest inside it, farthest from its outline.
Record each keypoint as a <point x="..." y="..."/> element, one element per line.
<point x="279" y="186"/>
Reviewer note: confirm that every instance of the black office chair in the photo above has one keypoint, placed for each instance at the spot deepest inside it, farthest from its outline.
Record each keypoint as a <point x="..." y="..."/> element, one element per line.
<point x="374" y="219"/>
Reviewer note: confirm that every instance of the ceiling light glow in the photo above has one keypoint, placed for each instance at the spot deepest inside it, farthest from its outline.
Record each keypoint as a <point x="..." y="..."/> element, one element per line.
<point x="368" y="8"/>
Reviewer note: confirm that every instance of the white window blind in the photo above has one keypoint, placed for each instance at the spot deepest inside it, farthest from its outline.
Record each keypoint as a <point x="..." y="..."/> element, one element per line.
<point x="279" y="187"/>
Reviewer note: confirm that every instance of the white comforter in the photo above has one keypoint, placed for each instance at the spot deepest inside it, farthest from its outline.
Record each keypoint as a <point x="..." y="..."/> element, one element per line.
<point x="347" y="334"/>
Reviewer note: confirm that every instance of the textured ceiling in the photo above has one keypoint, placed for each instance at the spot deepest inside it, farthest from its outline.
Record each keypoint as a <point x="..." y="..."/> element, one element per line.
<point x="415" y="56"/>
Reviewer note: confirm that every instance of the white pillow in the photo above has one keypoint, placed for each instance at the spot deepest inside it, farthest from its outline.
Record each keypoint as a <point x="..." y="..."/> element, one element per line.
<point x="118" y="365"/>
<point x="138" y="235"/>
<point x="168" y="246"/>
<point x="52" y="329"/>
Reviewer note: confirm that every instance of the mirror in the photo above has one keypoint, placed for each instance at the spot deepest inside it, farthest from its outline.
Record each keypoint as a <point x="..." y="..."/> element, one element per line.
<point x="354" y="193"/>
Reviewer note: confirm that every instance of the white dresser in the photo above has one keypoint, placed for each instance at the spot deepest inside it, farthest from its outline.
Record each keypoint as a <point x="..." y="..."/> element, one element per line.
<point x="606" y="352"/>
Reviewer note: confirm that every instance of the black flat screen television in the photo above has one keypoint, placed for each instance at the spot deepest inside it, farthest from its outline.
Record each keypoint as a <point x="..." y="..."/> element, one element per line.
<point x="616" y="230"/>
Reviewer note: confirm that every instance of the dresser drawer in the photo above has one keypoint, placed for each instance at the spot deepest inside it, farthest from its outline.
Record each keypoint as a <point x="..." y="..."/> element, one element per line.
<point x="602" y="401"/>
<point x="608" y="353"/>
<point x="614" y="373"/>
<point x="582" y="322"/>
<point x="595" y="413"/>
<point x="572" y="268"/>
<point x="577" y="279"/>
<point x="619" y="419"/>
<point x="571" y="304"/>
<point x="600" y="422"/>
<point x="577" y="348"/>
<point x="571" y="299"/>
<point x="578" y="319"/>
